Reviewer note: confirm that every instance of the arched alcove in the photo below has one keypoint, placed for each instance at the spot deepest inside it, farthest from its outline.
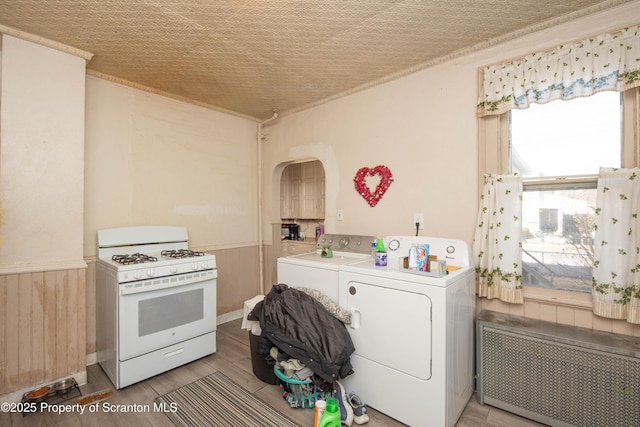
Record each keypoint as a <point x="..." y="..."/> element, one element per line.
<point x="298" y="197"/>
<point x="302" y="191"/>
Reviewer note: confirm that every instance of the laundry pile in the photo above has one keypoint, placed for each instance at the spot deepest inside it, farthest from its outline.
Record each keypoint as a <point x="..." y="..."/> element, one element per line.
<point x="304" y="333"/>
<point x="300" y="326"/>
<point x="296" y="381"/>
<point x="292" y="368"/>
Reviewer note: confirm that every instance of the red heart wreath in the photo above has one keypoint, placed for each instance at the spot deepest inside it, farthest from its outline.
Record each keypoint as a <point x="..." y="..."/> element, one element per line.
<point x="385" y="181"/>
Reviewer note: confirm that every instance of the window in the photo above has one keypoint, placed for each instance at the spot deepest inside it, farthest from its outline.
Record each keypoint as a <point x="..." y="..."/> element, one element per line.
<point x="558" y="149"/>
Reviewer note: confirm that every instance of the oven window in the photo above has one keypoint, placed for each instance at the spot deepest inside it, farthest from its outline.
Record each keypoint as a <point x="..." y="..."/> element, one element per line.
<point x="170" y="311"/>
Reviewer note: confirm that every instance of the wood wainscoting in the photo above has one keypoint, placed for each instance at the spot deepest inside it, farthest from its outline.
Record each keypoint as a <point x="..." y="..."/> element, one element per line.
<point x="42" y="327"/>
<point x="48" y="324"/>
<point x="238" y="277"/>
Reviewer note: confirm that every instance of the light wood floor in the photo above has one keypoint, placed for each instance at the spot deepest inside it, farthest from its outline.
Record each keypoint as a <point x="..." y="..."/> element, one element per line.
<point x="233" y="358"/>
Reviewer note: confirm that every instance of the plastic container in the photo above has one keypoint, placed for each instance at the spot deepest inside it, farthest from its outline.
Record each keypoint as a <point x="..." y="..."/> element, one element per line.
<point x="381" y="254"/>
<point x="299" y="394"/>
<point x="321" y="405"/>
<point x="331" y="415"/>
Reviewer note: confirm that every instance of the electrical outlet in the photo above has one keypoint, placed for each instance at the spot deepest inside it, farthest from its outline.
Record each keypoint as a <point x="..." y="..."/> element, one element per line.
<point x="418" y="218"/>
<point x="340" y="215"/>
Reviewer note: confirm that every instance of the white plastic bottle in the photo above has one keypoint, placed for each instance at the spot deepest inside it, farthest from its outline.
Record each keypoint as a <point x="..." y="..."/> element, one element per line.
<point x="320" y="407"/>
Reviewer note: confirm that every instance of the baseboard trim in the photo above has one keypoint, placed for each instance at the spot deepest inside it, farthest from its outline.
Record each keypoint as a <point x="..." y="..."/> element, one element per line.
<point x="228" y="317"/>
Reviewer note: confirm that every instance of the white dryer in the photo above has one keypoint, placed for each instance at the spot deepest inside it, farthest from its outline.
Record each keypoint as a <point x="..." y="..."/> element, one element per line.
<point x="413" y="333"/>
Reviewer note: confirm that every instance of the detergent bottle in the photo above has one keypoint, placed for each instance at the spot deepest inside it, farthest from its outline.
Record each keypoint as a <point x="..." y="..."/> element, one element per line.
<point x="381" y="254"/>
<point x="331" y="415"/>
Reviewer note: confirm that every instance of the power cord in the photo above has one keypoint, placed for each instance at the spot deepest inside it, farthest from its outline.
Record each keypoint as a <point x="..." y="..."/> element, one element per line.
<point x="417" y="228"/>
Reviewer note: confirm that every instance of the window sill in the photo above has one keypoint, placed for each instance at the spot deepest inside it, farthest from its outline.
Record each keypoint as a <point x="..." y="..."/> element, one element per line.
<point x="557" y="297"/>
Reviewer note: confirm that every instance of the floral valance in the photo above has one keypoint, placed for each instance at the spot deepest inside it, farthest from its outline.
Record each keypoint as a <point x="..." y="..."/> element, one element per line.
<point x="606" y="62"/>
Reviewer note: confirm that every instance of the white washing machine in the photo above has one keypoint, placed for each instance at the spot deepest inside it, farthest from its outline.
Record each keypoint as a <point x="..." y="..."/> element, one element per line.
<point x="314" y="271"/>
<point x="413" y="333"/>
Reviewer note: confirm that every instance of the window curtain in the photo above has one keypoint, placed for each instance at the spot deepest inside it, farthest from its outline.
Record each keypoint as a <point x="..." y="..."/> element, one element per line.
<point x="616" y="265"/>
<point x="497" y="247"/>
<point x="606" y="62"/>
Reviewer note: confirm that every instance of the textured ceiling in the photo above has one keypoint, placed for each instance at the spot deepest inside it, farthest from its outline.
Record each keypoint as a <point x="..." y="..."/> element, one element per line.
<point x="250" y="57"/>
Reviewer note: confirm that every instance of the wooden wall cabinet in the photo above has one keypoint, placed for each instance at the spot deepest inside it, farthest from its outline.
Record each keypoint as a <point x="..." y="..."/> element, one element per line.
<point x="302" y="191"/>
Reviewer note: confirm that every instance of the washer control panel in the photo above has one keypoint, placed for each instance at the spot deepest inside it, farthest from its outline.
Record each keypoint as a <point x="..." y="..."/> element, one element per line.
<point x="346" y="243"/>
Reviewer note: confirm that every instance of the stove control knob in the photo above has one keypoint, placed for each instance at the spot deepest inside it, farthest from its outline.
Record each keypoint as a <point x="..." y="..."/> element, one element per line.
<point x="173" y="269"/>
<point x="150" y="273"/>
<point x="194" y="266"/>
<point x="203" y="265"/>
<point x="137" y="275"/>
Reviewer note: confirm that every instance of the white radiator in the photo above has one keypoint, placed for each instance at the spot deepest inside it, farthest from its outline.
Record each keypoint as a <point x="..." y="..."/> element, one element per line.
<point x="557" y="374"/>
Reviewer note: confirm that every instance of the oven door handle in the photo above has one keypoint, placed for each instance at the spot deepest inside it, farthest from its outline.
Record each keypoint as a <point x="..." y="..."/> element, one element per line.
<point x="167" y="282"/>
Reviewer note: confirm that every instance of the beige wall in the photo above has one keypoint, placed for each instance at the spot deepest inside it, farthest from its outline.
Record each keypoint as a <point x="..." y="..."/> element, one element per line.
<point x="42" y="162"/>
<point x="151" y="160"/>
<point x="408" y="125"/>
<point x="424" y="128"/>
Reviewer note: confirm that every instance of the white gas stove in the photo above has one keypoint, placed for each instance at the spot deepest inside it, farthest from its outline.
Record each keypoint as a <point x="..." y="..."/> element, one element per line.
<point x="156" y="302"/>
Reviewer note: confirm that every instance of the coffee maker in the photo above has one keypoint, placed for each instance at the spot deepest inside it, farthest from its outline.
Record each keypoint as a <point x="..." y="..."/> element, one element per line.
<point x="290" y="231"/>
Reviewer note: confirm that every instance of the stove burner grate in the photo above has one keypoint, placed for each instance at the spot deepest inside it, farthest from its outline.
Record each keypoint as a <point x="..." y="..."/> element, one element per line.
<point x="136" y="258"/>
<point x="181" y="253"/>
